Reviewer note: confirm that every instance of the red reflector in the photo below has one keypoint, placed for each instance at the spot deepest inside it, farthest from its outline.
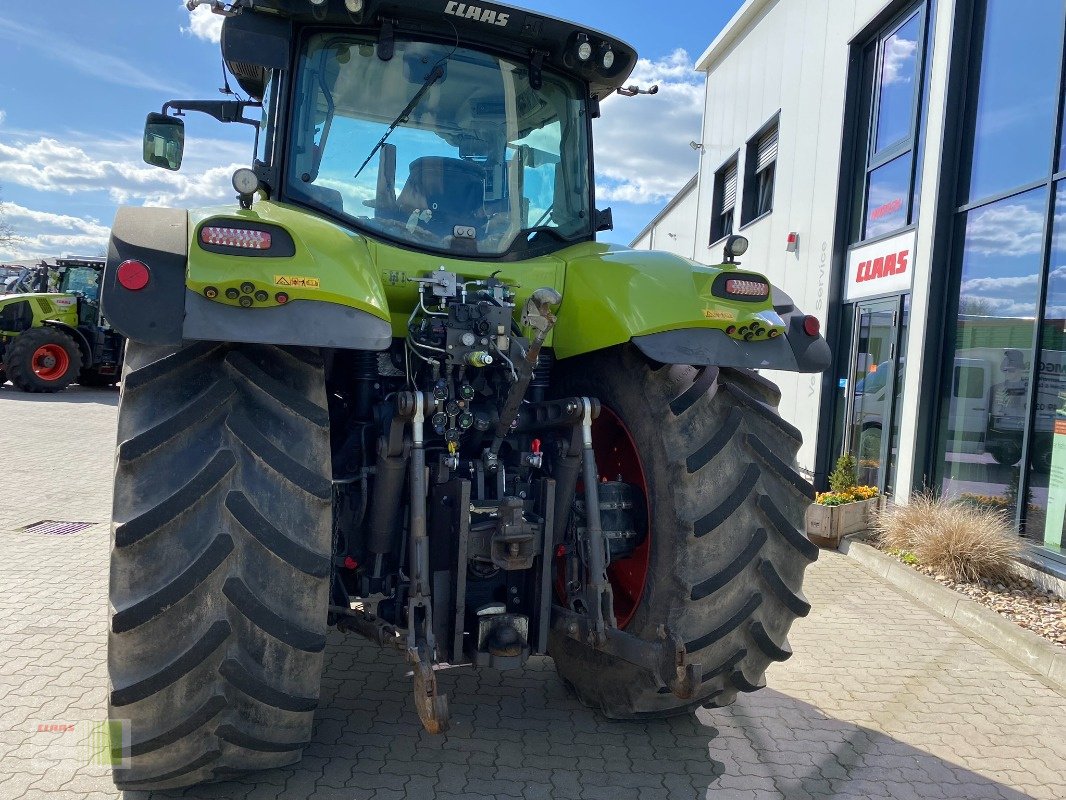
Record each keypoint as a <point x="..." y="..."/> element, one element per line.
<point x="350" y="563"/>
<point x="235" y="237"/>
<point x="811" y="326"/>
<point x="282" y="298"/>
<point x="133" y="275"/>
<point x="743" y="288"/>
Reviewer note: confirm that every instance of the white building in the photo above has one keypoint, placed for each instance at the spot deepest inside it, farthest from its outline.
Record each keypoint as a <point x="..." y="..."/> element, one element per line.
<point x="896" y="167"/>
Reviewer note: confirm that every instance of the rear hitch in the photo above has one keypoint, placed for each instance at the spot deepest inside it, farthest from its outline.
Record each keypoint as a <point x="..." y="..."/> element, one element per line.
<point x="595" y="626"/>
<point x="421" y="644"/>
<point x="666" y="658"/>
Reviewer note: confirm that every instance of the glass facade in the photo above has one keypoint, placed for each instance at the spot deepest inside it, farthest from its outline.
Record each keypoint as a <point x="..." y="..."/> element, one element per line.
<point x="1047" y="470"/>
<point x="898" y="84"/>
<point x="893" y="76"/>
<point x="1014" y="119"/>
<point x="1002" y="441"/>
<point x="893" y="71"/>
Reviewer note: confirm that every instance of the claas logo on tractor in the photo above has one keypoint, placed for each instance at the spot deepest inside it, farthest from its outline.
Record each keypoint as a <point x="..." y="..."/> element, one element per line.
<point x="445" y="427"/>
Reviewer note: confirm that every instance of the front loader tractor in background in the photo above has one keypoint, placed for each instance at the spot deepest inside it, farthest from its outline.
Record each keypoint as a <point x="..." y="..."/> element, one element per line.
<point x="399" y="389"/>
<point x="52" y="332"/>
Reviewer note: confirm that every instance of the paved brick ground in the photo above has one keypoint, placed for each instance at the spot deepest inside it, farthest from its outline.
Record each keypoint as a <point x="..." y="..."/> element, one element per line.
<point x="883" y="699"/>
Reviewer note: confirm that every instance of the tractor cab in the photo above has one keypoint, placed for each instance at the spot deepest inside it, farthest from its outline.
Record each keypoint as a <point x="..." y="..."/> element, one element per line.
<point x="436" y="126"/>
<point x="80" y="277"/>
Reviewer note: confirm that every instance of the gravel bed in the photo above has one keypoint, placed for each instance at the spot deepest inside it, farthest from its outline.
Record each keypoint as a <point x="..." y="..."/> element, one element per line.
<point x="1019" y="600"/>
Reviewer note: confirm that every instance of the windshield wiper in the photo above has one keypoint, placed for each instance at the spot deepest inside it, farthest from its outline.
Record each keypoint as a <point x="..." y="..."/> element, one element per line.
<point x="435" y="75"/>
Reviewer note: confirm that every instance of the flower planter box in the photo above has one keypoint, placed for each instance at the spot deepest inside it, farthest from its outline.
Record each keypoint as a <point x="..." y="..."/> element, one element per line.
<point x="828" y="525"/>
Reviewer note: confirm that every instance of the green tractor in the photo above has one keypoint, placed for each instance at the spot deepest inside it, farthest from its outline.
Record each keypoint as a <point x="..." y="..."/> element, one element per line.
<point x="399" y="389"/>
<point x="52" y="332"/>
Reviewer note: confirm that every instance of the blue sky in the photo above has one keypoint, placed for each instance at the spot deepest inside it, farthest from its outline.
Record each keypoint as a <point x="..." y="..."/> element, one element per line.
<point x="77" y="79"/>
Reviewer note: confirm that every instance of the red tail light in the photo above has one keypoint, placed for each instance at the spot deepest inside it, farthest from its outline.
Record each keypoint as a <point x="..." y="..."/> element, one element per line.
<point x="133" y="275"/>
<point x="811" y="326"/>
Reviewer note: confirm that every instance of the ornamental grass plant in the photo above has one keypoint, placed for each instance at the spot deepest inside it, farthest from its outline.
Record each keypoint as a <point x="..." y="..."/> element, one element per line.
<point x="962" y="541"/>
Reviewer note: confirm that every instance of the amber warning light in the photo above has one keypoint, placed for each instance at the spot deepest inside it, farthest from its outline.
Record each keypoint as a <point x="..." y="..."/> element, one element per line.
<point x="235" y="237"/>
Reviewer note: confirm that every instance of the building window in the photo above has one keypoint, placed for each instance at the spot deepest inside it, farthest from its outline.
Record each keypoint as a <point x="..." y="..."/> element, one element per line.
<point x="1002" y="436"/>
<point x="892" y="99"/>
<point x="1014" y="116"/>
<point x="759" y="171"/>
<point x="725" y="200"/>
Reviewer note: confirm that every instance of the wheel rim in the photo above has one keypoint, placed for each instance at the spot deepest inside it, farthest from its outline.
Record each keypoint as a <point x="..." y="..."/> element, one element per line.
<point x="617" y="458"/>
<point x="50" y="362"/>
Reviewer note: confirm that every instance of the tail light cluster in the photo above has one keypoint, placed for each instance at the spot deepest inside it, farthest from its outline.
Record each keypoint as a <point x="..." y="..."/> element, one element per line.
<point x="241" y="238"/>
<point x="746" y="287"/>
<point x="245" y="238"/>
<point x="740" y="287"/>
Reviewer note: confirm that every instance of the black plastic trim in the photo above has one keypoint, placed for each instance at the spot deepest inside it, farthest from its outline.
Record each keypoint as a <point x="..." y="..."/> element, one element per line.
<point x="704" y="347"/>
<point x="305" y="323"/>
<point x="158" y="237"/>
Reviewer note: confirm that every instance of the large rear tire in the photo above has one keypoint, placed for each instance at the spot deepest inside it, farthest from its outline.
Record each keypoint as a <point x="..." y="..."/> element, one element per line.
<point x="726" y="555"/>
<point x="221" y="560"/>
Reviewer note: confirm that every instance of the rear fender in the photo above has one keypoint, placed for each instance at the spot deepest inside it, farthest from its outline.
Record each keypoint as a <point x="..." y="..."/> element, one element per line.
<point x="336" y="304"/>
<point x="673" y="311"/>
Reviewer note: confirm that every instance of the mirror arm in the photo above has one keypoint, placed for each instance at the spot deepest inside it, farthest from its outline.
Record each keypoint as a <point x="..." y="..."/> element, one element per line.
<point x="222" y="110"/>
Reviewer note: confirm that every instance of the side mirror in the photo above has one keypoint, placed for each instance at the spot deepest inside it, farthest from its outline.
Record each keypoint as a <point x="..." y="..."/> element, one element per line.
<point x="164" y="141"/>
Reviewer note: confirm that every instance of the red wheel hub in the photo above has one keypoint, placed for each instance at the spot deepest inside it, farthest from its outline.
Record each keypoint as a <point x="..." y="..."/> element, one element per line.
<point x="617" y="459"/>
<point x="50" y="362"/>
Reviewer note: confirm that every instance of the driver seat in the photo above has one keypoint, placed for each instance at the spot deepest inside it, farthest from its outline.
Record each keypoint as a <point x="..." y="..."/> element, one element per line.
<point x="453" y="189"/>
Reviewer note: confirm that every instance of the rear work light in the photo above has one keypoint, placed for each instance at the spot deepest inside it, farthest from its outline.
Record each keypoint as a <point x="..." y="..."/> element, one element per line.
<point x="235" y="237"/>
<point x="744" y="288"/>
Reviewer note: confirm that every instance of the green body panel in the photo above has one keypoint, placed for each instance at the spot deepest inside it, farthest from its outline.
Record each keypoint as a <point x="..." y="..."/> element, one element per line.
<point x="613" y="294"/>
<point x="610" y="293"/>
<point x="336" y="257"/>
<point x="52" y="307"/>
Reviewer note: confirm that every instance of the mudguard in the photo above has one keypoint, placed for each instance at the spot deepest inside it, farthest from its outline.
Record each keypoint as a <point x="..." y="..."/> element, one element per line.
<point x="332" y="297"/>
<point x="672" y="310"/>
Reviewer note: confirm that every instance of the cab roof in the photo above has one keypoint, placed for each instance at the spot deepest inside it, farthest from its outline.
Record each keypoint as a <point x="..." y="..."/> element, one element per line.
<point x="515" y="32"/>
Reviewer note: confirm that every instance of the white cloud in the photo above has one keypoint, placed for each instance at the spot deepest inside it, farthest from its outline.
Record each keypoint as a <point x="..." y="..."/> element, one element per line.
<point x="49" y="165"/>
<point x="642" y="143"/>
<point x="204" y="25"/>
<point x="1013" y="229"/>
<point x="900" y="60"/>
<point x="46" y="235"/>
<point x="3" y="116"/>
<point x="93" y="63"/>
